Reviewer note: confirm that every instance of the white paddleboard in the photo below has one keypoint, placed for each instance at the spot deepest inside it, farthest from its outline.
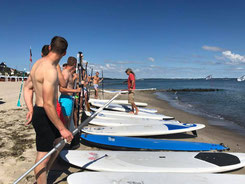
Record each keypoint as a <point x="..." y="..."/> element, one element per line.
<point x="143" y="130"/>
<point x="126" y="91"/>
<point x="123" y="102"/>
<point x="130" y="122"/>
<point x="105" y="114"/>
<point x="143" y="161"/>
<point x="153" y="178"/>
<point x="121" y="108"/>
<point x="115" y="91"/>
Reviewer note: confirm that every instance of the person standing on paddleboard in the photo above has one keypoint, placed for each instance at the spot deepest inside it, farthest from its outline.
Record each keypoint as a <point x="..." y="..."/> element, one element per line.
<point x="131" y="88"/>
<point x="48" y="127"/>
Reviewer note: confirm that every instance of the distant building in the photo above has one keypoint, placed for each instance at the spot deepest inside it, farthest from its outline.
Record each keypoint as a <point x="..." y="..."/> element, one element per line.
<point x="3" y="65"/>
<point x="12" y="71"/>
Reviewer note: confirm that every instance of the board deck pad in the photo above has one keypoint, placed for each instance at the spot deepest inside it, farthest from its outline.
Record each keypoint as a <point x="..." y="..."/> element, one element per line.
<point x="133" y="143"/>
<point x="153" y="178"/>
<point x="145" y="161"/>
<point x="220" y="159"/>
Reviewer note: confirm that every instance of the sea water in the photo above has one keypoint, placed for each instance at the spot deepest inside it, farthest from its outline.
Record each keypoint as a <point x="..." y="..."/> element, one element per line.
<point x="225" y="107"/>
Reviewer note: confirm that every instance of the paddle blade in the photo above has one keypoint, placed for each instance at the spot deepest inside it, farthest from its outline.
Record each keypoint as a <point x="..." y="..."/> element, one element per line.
<point x="18" y="103"/>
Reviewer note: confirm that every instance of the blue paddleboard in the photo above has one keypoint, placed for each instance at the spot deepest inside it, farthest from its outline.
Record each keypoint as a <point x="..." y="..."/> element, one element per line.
<point x="132" y="143"/>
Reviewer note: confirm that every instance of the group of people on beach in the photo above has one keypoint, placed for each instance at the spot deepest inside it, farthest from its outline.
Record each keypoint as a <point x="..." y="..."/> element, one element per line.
<point x="50" y="116"/>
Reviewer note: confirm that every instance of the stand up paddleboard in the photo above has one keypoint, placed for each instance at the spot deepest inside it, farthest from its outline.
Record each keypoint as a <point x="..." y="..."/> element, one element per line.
<point x="153" y="178"/>
<point x="122" y="102"/>
<point x="133" y="143"/>
<point x="126" y="91"/>
<point x="122" y="108"/>
<point x="116" y="115"/>
<point x="141" y="161"/>
<point x="143" y="130"/>
<point x="131" y="122"/>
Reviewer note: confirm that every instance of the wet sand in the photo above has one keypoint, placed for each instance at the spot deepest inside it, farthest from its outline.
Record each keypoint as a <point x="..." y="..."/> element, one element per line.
<point x="17" y="142"/>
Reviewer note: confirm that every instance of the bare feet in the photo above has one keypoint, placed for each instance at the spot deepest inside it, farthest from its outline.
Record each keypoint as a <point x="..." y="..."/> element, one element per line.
<point x="136" y="113"/>
<point x="131" y="112"/>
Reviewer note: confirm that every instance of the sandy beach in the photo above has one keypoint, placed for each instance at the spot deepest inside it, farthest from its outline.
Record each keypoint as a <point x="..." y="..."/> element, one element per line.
<point x="17" y="141"/>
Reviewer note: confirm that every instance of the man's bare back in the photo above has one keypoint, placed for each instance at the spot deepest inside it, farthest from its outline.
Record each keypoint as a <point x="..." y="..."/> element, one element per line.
<point x="40" y="75"/>
<point x="69" y="80"/>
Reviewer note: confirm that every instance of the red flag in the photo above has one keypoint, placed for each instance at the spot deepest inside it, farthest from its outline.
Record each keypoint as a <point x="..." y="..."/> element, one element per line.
<point x="30" y="55"/>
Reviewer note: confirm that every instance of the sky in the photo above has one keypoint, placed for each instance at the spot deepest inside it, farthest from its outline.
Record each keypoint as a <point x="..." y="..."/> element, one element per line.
<point x="156" y="38"/>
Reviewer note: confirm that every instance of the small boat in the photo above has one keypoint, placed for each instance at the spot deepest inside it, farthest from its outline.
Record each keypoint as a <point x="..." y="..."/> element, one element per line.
<point x="240" y="79"/>
<point x="209" y="77"/>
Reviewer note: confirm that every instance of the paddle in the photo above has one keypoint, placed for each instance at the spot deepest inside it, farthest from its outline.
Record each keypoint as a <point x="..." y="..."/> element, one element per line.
<point x="80" y="72"/>
<point x="18" y="103"/>
<point x="103" y="85"/>
<point x="62" y="142"/>
<point x="90" y="83"/>
<point x="86" y="80"/>
<point x="75" y="142"/>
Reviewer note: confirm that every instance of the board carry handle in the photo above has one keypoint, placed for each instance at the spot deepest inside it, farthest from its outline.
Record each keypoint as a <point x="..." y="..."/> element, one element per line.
<point x="62" y="142"/>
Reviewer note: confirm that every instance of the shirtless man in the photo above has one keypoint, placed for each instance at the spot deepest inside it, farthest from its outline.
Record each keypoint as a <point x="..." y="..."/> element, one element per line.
<point x="96" y="81"/>
<point x="29" y="91"/>
<point x="66" y="99"/>
<point x="47" y="125"/>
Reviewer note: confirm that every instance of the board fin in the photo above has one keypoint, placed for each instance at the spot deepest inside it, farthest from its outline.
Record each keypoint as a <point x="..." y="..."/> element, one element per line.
<point x="194" y="133"/>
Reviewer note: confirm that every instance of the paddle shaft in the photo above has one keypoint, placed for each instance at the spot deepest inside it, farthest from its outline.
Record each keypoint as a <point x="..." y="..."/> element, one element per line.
<point x="89" y="82"/>
<point x="80" y="73"/>
<point x="18" y="103"/>
<point x="103" y="85"/>
<point x="62" y="142"/>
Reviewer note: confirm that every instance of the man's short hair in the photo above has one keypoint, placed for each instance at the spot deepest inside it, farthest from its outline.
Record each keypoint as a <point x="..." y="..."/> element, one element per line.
<point x="71" y="61"/>
<point x="58" y="45"/>
<point x="45" y="50"/>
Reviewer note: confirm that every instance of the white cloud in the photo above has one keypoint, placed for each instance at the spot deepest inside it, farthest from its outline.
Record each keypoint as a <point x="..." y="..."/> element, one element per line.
<point x="239" y="68"/>
<point x="211" y="48"/>
<point x="137" y="70"/>
<point x="123" y="62"/>
<point x="151" y="59"/>
<point x="233" y="58"/>
<point x="227" y="56"/>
